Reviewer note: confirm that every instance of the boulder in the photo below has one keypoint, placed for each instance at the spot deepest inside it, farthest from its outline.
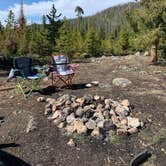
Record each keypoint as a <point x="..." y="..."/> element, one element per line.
<point x="122" y="82"/>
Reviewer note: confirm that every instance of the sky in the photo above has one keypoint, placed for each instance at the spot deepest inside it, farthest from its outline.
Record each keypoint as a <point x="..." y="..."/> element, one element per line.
<point x="35" y="9"/>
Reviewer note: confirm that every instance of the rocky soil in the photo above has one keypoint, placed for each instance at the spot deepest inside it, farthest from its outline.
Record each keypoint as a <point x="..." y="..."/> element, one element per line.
<point x="116" y="109"/>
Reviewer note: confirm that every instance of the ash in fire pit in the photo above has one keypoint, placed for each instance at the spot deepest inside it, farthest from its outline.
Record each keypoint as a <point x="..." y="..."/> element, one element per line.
<point x="91" y="115"/>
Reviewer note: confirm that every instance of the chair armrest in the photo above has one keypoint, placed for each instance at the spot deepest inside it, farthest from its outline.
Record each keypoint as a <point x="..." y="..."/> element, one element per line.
<point x="73" y="66"/>
<point x="17" y="72"/>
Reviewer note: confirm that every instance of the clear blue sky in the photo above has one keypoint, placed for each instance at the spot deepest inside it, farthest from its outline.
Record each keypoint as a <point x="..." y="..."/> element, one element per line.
<point x="34" y="9"/>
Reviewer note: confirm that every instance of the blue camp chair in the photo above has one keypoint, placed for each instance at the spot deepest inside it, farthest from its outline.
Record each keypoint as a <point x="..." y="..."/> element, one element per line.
<point x="27" y="77"/>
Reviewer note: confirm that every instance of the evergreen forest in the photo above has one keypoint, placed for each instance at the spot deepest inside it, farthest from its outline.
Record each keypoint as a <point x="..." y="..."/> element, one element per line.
<point x="119" y="30"/>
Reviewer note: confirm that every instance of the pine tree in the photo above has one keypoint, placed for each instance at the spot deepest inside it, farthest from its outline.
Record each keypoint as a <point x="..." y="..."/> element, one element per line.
<point x="64" y="43"/>
<point x="53" y="27"/>
<point x="9" y="46"/>
<point x="92" y="43"/>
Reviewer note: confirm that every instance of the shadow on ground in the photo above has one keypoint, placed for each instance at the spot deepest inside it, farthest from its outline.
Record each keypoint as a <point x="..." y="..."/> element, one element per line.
<point x="7" y="159"/>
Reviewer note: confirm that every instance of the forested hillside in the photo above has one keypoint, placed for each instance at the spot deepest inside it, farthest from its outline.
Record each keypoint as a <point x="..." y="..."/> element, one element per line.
<point x="108" y="21"/>
<point x="119" y="30"/>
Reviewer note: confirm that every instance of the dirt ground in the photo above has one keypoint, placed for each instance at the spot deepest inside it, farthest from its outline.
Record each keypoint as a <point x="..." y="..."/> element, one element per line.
<point x="47" y="145"/>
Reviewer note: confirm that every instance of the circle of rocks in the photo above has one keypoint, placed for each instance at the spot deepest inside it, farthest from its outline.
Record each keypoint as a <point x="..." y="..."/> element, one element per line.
<point x="91" y="115"/>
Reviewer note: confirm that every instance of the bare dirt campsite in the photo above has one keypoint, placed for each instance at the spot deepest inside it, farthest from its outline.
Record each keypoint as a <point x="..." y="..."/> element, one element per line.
<point x="30" y="136"/>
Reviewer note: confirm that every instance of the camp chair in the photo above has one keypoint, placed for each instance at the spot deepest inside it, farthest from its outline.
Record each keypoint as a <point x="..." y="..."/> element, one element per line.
<point x="62" y="72"/>
<point x="27" y="77"/>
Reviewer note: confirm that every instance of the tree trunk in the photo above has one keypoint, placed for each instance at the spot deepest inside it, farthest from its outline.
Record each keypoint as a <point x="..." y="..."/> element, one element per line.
<point x="153" y="53"/>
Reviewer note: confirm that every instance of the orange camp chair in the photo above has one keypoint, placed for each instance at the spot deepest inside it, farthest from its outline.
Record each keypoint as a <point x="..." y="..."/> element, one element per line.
<point x="62" y="72"/>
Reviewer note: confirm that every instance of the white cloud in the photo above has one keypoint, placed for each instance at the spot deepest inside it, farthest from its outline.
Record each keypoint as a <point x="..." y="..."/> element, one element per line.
<point x="34" y="11"/>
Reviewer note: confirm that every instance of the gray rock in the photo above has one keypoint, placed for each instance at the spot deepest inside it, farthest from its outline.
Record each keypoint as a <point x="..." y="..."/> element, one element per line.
<point x="48" y="111"/>
<point x="79" y="112"/>
<point x="100" y="124"/>
<point x="91" y="124"/>
<point x="86" y="108"/>
<point x="67" y="110"/>
<point x="108" y="124"/>
<point x="122" y="82"/>
<point x="41" y="99"/>
<point x="75" y="105"/>
<point x="88" y="99"/>
<point x="106" y="114"/>
<point x="70" y="118"/>
<point x="32" y="125"/>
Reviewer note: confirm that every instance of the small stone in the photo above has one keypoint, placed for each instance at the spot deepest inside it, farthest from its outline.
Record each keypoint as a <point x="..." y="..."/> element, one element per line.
<point x="68" y="102"/>
<point x="57" y="121"/>
<point x="107" y="101"/>
<point x="132" y="130"/>
<point x="108" y="124"/>
<point x="114" y="119"/>
<point x="71" y="143"/>
<point x="95" y="83"/>
<point x="99" y="108"/>
<point x="112" y="112"/>
<point x="121" y="132"/>
<point x="88" y="99"/>
<point x="96" y="132"/>
<point x="48" y="106"/>
<point x="92" y="106"/>
<point x="88" y="85"/>
<point x="32" y="125"/>
<point x="133" y="122"/>
<point x="81" y="101"/>
<point x="79" y="112"/>
<point x="75" y="105"/>
<point x="124" y="121"/>
<point x="125" y="103"/>
<point x="61" y="125"/>
<point x="70" y="118"/>
<point x="100" y="124"/>
<point x="106" y="114"/>
<point x="91" y="124"/>
<point x="107" y="107"/>
<point x="47" y="111"/>
<point x="41" y="99"/>
<point x="86" y="108"/>
<point x="102" y="98"/>
<point x="56" y="115"/>
<point x="122" y="111"/>
<point x="79" y="127"/>
<point x="50" y="100"/>
<point x="98" y="115"/>
<point x="67" y="110"/>
<point x="96" y="97"/>
<point x="54" y="108"/>
<point x="69" y="129"/>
